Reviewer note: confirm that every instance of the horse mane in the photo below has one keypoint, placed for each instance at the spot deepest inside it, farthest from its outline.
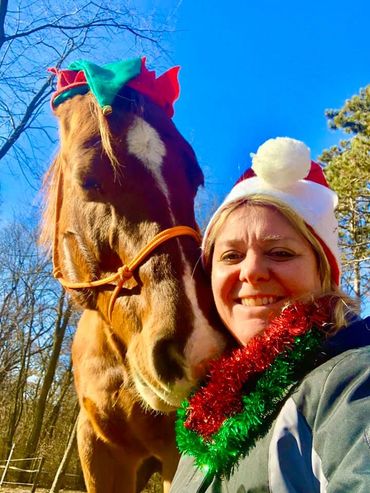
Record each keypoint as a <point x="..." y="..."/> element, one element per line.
<point x="49" y="204"/>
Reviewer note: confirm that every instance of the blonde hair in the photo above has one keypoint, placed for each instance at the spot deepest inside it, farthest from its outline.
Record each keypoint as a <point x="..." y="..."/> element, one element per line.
<point x="344" y="304"/>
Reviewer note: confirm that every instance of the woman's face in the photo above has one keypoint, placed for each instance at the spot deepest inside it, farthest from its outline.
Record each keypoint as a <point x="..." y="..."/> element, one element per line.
<point x="259" y="263"/>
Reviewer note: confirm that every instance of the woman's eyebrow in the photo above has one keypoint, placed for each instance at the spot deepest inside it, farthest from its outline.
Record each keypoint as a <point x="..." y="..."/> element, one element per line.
<point x="271" y="238"/>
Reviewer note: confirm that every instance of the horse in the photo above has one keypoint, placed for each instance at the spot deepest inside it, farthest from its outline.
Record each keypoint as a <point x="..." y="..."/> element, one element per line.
<point x="116" y="197"/>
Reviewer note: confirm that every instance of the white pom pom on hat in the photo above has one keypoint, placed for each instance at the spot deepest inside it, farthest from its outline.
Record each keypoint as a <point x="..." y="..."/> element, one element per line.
<point x="282" y="168"/>
<point x="282" y="161"/>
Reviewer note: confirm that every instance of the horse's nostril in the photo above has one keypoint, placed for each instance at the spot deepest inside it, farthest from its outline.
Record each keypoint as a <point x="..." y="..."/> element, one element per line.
<point x="167" y="361"/>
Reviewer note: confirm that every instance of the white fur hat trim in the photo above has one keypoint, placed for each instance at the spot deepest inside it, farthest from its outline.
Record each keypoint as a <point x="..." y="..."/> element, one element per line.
<point x="312" y="201"/>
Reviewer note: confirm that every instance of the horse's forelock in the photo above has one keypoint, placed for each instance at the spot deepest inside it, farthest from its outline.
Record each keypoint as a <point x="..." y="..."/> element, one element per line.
<point x="88" y="119"/>
<point x="76" y="108"/>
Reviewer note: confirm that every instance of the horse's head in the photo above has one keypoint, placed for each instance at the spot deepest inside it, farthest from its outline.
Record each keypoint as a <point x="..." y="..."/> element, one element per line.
<point x="118" y="181"/>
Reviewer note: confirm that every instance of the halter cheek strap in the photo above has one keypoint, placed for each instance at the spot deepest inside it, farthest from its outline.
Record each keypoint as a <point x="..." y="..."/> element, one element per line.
<point x="123" y="273"/>
<point x="126" y="271"/>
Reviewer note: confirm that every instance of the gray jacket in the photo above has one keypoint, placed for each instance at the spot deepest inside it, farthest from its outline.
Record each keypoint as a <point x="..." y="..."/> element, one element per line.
<point x="320" y="440"/>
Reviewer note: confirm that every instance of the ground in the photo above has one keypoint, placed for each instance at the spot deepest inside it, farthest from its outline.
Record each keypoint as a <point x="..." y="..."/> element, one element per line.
<point x="4" y="489"/>
<point x="154" y="486"/>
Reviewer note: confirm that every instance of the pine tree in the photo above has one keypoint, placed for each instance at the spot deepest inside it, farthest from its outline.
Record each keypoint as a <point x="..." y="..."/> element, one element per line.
<point x="348" y="172"/>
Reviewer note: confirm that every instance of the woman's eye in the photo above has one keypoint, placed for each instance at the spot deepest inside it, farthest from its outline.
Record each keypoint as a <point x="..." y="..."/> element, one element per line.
<point x="231" y="257"/>
<point x="281" y="254"/>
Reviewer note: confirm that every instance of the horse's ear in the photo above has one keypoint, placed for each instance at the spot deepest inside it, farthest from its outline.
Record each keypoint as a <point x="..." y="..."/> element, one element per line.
<point x="193" y="170"/>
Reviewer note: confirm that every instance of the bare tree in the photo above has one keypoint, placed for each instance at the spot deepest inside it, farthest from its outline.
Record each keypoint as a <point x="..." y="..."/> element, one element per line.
<point x="22" y="272"/>
<point x="61" y="323"/>
<point x="34" y="317"/>
<point x="35" y="34"/>
<point x="57" y="482"/>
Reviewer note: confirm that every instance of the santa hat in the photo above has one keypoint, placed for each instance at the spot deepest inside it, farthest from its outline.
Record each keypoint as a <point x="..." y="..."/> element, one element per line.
<point x="282" y="168"/>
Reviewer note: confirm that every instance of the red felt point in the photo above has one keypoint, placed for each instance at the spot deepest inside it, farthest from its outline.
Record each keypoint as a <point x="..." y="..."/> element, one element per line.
<point x="163" y="90"/>
<point x="68" y="78"/>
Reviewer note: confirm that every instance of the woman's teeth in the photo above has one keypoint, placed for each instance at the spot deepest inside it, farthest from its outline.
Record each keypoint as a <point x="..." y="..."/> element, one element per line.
<point x="266" y="300"/>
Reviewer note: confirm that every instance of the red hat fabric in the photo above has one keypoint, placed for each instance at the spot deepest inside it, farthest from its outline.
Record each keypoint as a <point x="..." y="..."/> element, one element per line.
<point x="163" y="90"/>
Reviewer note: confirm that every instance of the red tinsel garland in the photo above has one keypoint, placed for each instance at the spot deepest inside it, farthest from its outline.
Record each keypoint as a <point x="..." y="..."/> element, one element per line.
<point x="220" y="398"/>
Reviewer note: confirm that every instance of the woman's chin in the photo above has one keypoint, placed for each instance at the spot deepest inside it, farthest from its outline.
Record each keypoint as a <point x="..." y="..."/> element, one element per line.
<point x="249" y="329"/>
<point x="250" y="321"/>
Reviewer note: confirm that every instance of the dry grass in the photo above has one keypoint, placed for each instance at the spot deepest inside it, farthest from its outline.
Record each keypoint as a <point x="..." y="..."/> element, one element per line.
<point x="154" y="486"/>
<point x="6" y="489"/>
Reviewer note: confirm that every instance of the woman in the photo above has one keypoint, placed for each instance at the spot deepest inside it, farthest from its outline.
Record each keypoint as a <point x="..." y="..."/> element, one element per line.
<point x="288" y="410"/>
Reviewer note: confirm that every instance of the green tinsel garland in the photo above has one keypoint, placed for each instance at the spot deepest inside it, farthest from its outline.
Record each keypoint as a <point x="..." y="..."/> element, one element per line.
<point x="238" y="434"/>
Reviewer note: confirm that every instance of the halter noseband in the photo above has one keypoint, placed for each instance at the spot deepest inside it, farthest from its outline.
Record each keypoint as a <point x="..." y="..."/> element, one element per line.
<point x="126" y="271"/>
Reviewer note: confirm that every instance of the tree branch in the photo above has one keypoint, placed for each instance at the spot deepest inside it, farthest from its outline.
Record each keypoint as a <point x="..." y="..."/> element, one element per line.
<point x="35" y="102"/>
<point x="109" y="22"/>
<point x="3" y="11"/>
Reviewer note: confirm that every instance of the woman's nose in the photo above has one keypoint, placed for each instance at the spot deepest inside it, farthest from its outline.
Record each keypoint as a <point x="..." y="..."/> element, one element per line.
<point x="254" y="268"/>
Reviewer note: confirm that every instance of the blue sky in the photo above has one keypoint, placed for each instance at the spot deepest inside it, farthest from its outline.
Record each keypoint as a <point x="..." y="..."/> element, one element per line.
<point x="252" y="70"/>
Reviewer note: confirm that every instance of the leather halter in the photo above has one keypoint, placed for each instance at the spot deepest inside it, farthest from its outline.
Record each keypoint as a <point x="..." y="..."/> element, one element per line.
<point x="126" y="271"/>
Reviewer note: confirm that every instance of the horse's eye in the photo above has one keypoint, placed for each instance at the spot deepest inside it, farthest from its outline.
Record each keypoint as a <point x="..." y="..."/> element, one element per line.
<point x="90" y="185"/>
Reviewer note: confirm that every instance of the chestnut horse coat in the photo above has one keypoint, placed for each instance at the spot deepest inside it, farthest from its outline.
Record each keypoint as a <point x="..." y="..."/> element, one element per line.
<point x="117" y="182"/>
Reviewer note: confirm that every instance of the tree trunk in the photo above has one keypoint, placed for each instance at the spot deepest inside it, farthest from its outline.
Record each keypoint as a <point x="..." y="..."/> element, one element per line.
<point x="51" y="422"/>
<point x="57" y="483"/>
<point x="356" y="254"/>
<point x="19" y="390"/>
<point x="61" y="324"/>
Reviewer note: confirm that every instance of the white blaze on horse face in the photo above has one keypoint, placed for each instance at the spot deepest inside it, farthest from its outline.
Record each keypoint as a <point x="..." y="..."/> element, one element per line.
<point x="144" y="142"/>
<point x="204" y="343"/>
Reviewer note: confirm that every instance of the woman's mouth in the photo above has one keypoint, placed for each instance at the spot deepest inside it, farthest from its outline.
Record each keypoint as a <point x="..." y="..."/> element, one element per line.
<point x="260" y="300"/>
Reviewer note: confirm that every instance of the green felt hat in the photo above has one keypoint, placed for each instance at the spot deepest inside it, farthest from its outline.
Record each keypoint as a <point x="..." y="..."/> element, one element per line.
<point x="104" y="82"/>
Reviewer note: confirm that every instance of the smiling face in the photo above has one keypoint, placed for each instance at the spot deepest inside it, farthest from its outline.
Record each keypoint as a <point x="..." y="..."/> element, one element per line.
<point x="260" y="262"/>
